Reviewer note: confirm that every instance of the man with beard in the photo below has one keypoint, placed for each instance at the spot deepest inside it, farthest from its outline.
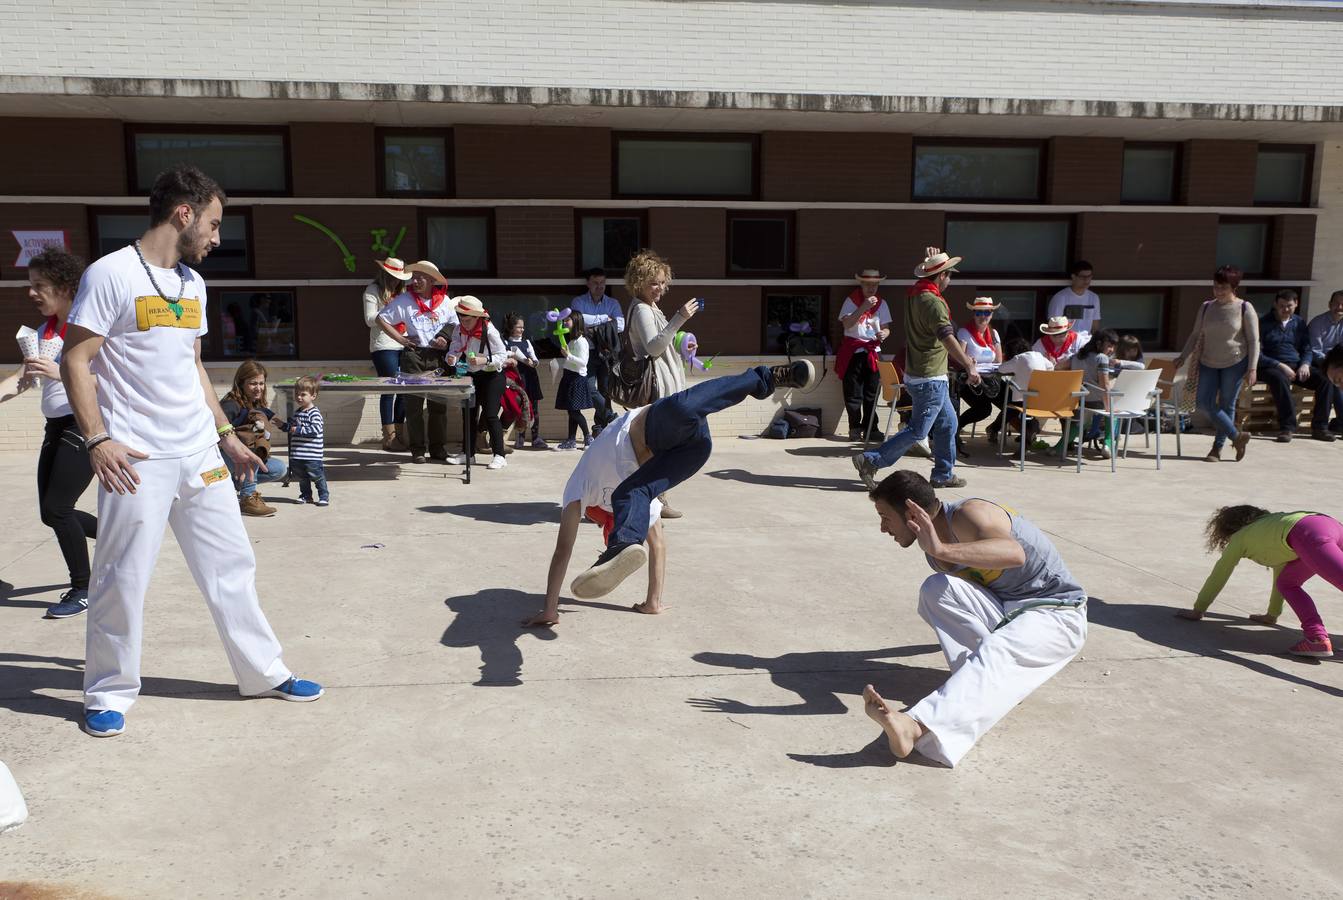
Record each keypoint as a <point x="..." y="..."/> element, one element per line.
<point x="155" y="435"/>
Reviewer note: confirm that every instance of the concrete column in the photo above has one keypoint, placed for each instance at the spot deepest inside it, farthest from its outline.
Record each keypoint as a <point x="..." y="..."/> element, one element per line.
<point x="1328" y="269"/>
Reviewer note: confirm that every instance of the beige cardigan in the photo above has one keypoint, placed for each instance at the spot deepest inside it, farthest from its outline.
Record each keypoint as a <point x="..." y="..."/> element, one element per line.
<point x="651" y="335"/>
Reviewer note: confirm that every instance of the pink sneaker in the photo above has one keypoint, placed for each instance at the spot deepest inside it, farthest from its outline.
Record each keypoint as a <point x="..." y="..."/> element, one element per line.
<point x="1307" y="647"/>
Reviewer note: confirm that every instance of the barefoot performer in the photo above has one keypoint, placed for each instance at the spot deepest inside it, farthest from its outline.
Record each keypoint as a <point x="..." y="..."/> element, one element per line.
<point x="1005" y="608"/>
<point x="637" y="457"/>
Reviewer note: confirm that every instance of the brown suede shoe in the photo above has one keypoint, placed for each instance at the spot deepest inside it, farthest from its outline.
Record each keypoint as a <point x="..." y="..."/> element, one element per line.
<point x="1239" y="442"/>
<point x="255" y="506"/>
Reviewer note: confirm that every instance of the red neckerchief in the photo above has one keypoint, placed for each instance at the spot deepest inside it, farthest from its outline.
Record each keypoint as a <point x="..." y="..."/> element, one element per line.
<point x="477" y="333"/>
<point x="50" y="331"/>
<point x="436" y="298"/>
<point x="927" y="284"/>
<point x="858" y="301"/>
<point x="1054" y="353"/>
<point x="984" y="338"/>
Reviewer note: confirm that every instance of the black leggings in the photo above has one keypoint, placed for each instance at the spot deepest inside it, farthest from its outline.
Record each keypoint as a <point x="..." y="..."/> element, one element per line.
<point x="489" y="395"/>
<point x="63" y="472"/>
<point x="576" y="421"/>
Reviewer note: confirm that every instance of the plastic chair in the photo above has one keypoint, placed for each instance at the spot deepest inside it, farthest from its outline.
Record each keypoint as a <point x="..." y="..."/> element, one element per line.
<point x="1172" y="396"/>
<point x="1132" y="395"/>
<point x="1052" y="395"/>
<point x="891" y="391"/>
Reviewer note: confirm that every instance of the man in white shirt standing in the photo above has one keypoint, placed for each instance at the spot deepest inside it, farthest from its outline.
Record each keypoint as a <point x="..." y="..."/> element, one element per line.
<point x="605" y="323"/>
<point x="1077" y="301"/>
<point x="865" y="318"/>
<point x="155" y="437"/>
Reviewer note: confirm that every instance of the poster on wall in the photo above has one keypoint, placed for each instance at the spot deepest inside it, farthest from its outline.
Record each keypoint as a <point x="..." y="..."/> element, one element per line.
<point x="31" y="243"/>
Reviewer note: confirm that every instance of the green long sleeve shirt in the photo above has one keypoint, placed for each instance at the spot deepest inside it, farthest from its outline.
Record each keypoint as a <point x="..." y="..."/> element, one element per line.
<point x="1263" y="541"/>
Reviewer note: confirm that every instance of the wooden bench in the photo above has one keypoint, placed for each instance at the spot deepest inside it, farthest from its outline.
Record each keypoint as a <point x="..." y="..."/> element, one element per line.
<point x="1256" y="412"/>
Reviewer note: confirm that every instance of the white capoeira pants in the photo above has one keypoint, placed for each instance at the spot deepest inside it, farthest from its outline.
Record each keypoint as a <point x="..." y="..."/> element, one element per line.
<point x="200" y="504"/>
<point x="991" y="671"/>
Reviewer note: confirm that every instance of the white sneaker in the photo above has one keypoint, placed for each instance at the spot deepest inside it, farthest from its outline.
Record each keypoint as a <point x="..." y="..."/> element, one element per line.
<point x="497" y="463"/>
<point x="458" y="459"/>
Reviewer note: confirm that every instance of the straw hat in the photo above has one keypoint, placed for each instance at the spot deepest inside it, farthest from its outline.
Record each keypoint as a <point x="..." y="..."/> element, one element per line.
<point x="980" y="304"/>
<point x="425" y="267"/>
<point x="394" y="267"/>
<point x="935" y="262"/>
<point x="870" y="275"/>
<point x="1056" y="325"/>
<point x="471" y="306"/>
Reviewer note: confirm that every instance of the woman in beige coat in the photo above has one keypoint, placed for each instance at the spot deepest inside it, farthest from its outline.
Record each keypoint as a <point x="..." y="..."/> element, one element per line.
<point x="647" y="278"/>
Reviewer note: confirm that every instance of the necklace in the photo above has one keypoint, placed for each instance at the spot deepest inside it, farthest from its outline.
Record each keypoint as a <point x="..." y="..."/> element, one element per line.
<point x="174" y="305"/>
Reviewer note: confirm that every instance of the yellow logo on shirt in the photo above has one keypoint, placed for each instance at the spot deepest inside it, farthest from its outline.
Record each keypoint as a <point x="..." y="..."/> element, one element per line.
<point x="154" y="312"/>
<point x="981" y="577"/>
<point x="214" y="475"/>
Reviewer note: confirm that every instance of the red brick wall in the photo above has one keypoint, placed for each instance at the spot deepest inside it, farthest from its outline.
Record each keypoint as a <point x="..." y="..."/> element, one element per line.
<point x="70" y="218"/>
<point x="332" y="159"/>
<point x="1186" y="302"/>
<point x="534" y="241"/>
<point x="532" y="162"/>
<point x="732" y="322"/>
<point x="16" y="310"/>
<point x="1219" y="173"/>
<point x="285" y="248"/>
<point x="835" y="166"/>
<point x="1148" y="245"/>
<point x="1292" y="254"/>
<point x="330" y="323"/>
<point x="694" y="241"/>
<point x="1085" y="170"/>
<point x="838" y="243"/>
<point x="63" y="157"/>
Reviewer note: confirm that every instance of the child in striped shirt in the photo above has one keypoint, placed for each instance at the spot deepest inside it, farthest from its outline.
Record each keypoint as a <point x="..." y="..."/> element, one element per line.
<point x="305" y="430"/>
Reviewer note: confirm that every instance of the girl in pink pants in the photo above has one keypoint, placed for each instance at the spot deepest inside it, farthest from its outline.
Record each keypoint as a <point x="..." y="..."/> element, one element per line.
<point x="1296" y="546"/>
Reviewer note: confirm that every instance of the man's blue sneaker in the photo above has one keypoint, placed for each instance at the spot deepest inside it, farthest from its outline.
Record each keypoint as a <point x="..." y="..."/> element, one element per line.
<point x="104" y="722"/>
<point x="73" y="602"/>
<point x="295" y="689"/>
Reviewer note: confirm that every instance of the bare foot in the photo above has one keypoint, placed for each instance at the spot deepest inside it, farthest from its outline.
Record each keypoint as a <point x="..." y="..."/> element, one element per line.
<point x="901" y="731"/>
<point x="1192" y="615"/>
<point x="648" y="608"/>
<point x="1264" y="619"/>
<point x="541" y="620"/>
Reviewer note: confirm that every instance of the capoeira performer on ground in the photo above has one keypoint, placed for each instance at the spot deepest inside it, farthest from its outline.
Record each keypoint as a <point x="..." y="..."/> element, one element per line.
<point x="638" y="456"/>
<point x="1005" y="608"/>
<point x="155" y="432"/>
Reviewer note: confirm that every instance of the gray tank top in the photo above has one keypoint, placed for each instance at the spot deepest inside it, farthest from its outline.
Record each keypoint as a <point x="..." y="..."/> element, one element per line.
<point x="1042" y="577"/>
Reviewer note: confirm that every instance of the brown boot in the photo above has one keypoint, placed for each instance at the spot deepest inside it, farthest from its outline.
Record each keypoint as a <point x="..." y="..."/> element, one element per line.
<point x="388" y="438"/>
<point x="255" y="506"/>
<point x="402" y="438"/>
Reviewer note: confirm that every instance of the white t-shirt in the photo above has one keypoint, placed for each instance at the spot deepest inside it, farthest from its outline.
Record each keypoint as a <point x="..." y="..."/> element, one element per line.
<point x="865" y="329"/>
<point x="607" y="462"/>
<point x="977" y="353"/>
<point x="1090" y="313"/>
<point x="54" y="402"/>
<point x="422" y="327"/>
<point x="149" y="388"/>
<point x="1022" y="365"/>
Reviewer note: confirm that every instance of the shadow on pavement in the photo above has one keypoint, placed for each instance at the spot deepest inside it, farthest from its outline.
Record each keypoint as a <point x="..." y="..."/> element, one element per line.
<point x="530" y="513"/>
<point x="876" y="755"/>
<point x="792" y="481"/>
<point x="1227" y="638"/>
<point x="21" y="686"/>
<point x="8" y="592"/>
<point x="490" y="620"/>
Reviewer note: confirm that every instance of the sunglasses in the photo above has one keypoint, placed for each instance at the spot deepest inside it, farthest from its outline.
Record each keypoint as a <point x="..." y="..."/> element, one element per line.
<point x="983" y="312"/>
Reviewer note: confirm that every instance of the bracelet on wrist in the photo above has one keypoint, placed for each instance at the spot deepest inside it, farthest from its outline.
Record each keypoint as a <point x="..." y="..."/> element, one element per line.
<point x="225" y="431"/>
<point x="96" y="440"/>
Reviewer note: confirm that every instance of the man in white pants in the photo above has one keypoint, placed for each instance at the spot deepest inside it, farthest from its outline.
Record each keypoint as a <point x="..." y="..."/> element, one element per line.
<point x="1005" y="608"/>
<point x="155" y="433"/>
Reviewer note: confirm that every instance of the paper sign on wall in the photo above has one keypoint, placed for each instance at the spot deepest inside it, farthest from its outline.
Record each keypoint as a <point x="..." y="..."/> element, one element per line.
<point x="31" y="243"/>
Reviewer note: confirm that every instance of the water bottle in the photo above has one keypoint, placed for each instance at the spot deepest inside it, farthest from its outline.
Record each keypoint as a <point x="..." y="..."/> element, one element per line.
<point x="461" y="368"/>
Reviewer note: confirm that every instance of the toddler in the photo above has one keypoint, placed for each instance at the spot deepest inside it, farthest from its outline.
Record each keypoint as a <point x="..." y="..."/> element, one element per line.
<point x="306" y="430"/>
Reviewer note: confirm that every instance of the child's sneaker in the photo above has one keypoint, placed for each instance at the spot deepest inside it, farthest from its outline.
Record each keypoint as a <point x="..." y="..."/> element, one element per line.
<point x="567" y="445"/>
<point x="519" y="442"/>
<point x="323" y="503"/>
<point x="539" y="443"/>
<point x="1306" y="647"/>
<point x="458" y="459"/>
<point x="73" y="602"/>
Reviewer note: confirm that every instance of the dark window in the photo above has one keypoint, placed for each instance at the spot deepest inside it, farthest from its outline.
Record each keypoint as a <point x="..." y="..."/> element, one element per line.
<point x="681" y="165"/>
<point x="1150" y="173"/>
<point x="1261" y="298"/>
<point x="1002" y="172"/>
<point x="1137" y="311"/>
<point x="800" y="317"/>
<point x="1282" y="175"/>
<point x="1243" y="242"/>
<point x="607" y="239"/>
<point x="245" y="161"/>
<point x="459" y="242"/>
<point x="252" y="322"/>
<point x="413" y="163"/>
<point x="1018" y="312"/>
<point x="759" y="243"/>
<point x="1017" y="245"/>
<point x="114" y="229"/>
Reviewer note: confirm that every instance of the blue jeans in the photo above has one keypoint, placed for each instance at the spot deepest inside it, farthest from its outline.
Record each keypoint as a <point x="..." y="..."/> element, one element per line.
<point x="676" y="432"/>
<point x="273" y="471"/>
<point x="391" y="407"/>
<point x="932" y="414"/>
<point x="1217" y="392"/>
<point x="307" y="471"/>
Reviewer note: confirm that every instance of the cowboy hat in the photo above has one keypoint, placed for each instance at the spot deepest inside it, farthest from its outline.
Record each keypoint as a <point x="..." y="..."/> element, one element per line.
<point x="471" y="306"/>
<point x="870" y="275"/>
<point x="935" y="262"/>
<point x="1056" y="325"/>
<point x="425" y="267"/>
<point x="979" y="304"/>
<point x="394" y="267"/>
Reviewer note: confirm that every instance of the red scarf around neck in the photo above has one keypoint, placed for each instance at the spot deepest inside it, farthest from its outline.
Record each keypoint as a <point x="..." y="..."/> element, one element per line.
<point x="927" y="284"/>
<point x="982" y="338"/>
<point x="50" y="331"/>
<point x="1054" y="352"/>
<point x="436" y="298"/>
<point x="858" y="301"/>
<point x="477" y="333"/>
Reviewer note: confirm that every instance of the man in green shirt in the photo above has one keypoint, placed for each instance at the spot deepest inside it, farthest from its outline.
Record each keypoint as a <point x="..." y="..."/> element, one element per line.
<point x="930" y="340"/>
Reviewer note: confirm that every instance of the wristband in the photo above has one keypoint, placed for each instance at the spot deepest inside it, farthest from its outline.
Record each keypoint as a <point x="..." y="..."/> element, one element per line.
<point x="96" y="440"/>
<point x="224" y="431"/>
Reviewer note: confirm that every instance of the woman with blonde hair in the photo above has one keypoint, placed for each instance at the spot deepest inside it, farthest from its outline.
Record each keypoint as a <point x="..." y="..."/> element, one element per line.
<point x="389" y="281"/>
<point x="245" y="407"/>
<point x="651" y="335"/>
